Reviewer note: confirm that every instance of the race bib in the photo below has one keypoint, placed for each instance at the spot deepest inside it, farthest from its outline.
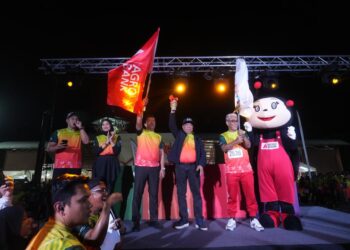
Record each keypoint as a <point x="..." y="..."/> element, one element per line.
<point x="269" y="145"/>
<point x="235" y="153"/>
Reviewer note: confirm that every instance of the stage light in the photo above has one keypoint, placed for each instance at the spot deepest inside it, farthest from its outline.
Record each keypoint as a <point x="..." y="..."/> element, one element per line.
<point x="70" y="84"/>
<point x="208" y="76"/>
<point x="221" y="82"/>
<point x="221" y="86"/>
<point x="257" y="84"/>
<point x="272" y="83"/>
<point x="331" y="78"/>
<point x="180" y="87"/>
<point x="335" y="79"/>
<point x="180" y="81"/>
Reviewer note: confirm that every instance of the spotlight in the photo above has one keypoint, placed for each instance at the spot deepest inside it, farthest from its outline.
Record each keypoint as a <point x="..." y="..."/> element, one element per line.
<point x="180" y="87"/>
<point x="272" y="83"/>
<point x="331" y="78"/>
<point x="258" y="83"/>
<point x="331" y="75"/>
<point x="208" y="76"/>
<point x="335" y="79"/>
<point x="221" y="85"/>
<point x="221" y="82"/>
<point x="180" y="80"/>
<point x="69" y="84"/>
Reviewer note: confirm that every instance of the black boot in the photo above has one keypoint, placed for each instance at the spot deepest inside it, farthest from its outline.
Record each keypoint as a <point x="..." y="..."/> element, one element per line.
<point x="289" y="220"/>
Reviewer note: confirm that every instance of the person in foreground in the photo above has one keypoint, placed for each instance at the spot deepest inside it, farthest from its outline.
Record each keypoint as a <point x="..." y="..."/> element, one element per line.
<point x="103" y="230"/>
<point x="71" y="207"/>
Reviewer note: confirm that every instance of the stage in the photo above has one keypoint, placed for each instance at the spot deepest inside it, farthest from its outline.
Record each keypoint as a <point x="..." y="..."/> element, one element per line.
<point x="323" y="229"/>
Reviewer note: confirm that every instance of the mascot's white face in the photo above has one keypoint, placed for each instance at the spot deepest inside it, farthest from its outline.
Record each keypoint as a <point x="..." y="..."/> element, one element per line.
<point x="268" y="113"/>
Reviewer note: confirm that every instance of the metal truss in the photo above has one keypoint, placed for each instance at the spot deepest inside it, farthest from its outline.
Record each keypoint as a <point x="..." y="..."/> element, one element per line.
<point x="300" y="63"/>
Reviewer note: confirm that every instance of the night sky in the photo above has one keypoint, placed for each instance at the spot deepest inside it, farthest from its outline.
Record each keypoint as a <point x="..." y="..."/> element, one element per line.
<point x="63" y="30"/>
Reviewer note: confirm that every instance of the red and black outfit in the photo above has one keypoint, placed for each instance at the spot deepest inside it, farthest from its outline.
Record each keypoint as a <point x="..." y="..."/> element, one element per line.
<point x="238" y="171"/>
<point x="276" y="168"/>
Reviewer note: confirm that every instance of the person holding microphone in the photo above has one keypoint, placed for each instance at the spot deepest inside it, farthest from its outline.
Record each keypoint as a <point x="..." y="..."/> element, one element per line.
<point x="66" y="145"/>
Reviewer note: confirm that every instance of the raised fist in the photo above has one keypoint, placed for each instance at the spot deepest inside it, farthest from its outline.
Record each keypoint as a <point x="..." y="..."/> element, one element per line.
<point x="173" y="102"/>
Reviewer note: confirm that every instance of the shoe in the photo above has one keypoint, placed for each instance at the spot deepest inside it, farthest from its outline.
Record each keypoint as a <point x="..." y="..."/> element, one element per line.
<point x="136" y="227"/>
<point x="201" y="225"/>
<point x="155" y="224"/>
<point x="231" y="225"/>
<point x="255" y="224"/>
<point x="181" y="224"/>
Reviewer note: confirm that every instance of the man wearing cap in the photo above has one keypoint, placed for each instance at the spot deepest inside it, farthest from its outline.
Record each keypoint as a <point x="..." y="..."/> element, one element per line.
<point x="234" y="143"/>
<point x="66" y="144"/>
<point x="188" y="155"/>
<point x="149" y="166"/>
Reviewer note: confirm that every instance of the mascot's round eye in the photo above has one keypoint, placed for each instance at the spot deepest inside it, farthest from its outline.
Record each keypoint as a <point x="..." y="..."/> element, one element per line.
<point x="274" y="105"/>
<point x="257" y="108"/>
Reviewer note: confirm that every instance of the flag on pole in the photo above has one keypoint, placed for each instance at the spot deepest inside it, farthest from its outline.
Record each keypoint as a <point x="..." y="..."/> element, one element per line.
<point x="243" y="96"/>
<point x="126" y="82"/>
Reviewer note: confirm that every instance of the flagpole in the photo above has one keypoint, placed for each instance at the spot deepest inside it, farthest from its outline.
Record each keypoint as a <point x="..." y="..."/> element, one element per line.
<point x="147" y="90"/>
<point x="303" y="144"/>
<point x="148" y="84"/>
<point x="150" y="74"/>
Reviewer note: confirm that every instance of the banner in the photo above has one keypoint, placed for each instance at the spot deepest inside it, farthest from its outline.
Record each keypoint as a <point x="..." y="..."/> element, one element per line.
<point x="243" y="96"/>
<point x="126" y="82"/>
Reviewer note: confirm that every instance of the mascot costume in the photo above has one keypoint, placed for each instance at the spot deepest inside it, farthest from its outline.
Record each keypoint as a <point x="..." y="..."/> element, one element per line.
<point x="276" y="157"/>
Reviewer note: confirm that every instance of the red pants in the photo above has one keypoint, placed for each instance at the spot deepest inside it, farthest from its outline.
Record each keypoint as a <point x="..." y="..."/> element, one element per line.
<point x="275" y="172"/>
<point x="233" y="189"/>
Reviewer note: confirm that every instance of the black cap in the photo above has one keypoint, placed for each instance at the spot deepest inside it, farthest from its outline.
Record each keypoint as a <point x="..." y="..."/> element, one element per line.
<point x="187" y="120"/>
<point x="70" y="114"/>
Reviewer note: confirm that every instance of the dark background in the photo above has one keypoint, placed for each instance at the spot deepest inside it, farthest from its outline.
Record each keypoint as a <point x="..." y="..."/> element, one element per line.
<point x="65" y="29"/>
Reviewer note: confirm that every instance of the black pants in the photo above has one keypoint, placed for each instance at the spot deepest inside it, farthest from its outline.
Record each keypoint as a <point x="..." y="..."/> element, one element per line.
<point x="184" y="172"/>
<point x="60" y="171"/>
<point x="143" y="174"/>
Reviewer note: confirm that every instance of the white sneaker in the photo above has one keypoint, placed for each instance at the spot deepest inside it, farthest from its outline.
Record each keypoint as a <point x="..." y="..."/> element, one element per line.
<point x="255" y="224"/>
<point x="231" y="224"/>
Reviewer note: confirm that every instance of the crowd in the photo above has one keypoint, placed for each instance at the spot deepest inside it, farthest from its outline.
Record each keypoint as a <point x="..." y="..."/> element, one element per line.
<point x="330" y="190"/>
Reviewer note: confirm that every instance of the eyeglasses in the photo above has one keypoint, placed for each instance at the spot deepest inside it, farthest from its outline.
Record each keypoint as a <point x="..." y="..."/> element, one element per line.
<point x="231" y="120"/>
<point x="101" y="191"/>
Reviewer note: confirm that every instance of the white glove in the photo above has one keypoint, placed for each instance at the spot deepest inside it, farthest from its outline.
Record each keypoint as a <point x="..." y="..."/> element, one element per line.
<point x="291" y="133"/>
<point x="248" y="127"/>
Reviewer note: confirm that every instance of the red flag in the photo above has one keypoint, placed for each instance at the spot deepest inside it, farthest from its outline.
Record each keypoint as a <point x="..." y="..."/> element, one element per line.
<point x="126" y="82"/>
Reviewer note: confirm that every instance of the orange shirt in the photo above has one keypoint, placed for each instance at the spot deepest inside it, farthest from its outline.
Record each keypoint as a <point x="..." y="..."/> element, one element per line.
<point x="237" y="158"/>
<point x="188" y="152"/>
<point x="71" y="156"/>
<point x="101" y="139"/>
<point x="149" y="144"/>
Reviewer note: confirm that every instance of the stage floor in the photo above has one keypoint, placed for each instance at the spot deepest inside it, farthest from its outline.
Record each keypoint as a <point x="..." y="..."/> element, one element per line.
<point x="323" y="229"/>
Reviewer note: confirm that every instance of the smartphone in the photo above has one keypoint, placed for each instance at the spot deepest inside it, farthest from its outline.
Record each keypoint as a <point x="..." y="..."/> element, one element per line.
<point x="114" y="217"/>
<point x="2" y="178"/>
